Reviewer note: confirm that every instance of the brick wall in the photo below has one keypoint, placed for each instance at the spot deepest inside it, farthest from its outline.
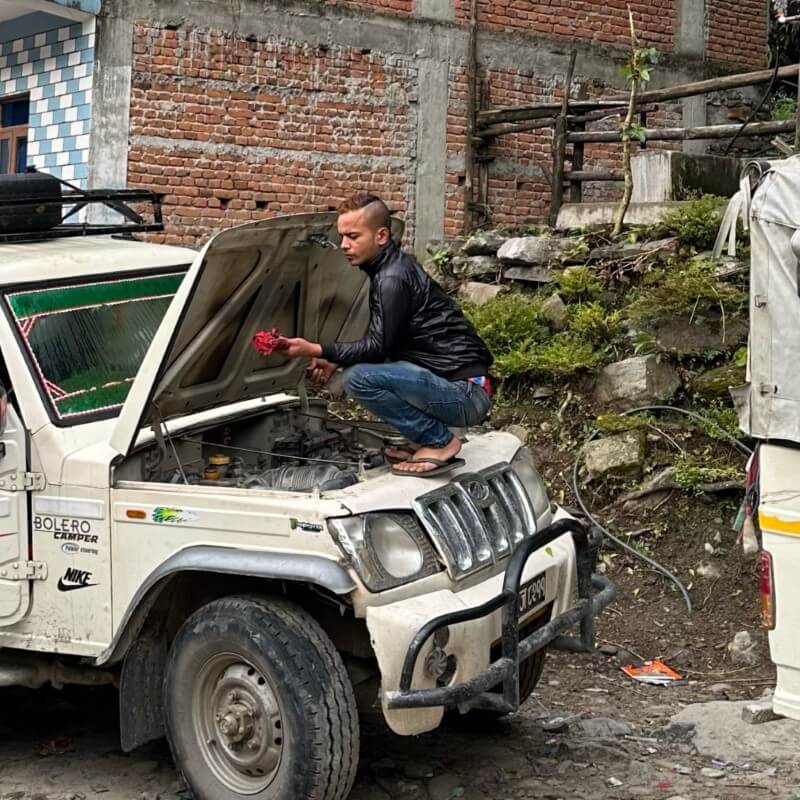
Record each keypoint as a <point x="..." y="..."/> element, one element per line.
<point x="589" y="20"/>
<point x="737" y="32"/>
<point x="239" y="129"/>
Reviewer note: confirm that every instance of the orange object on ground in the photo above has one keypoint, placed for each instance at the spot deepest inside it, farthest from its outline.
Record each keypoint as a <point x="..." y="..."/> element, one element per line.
<point x="654" y="672"/>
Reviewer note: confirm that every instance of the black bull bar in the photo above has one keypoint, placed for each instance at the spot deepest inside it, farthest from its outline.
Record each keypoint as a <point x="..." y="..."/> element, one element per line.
<point x="594" y="593"/>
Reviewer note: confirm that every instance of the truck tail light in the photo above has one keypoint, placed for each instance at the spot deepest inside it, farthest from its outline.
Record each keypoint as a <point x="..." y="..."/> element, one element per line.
<point x="766" y="586"/>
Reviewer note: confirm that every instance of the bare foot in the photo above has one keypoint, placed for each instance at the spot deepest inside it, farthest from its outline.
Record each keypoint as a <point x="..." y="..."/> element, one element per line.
<point x="450" y="450"/>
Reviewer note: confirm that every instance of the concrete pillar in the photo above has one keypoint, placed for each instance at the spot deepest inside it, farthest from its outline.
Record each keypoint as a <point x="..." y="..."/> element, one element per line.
<point x="431" y="151"/>
<point x="435" y="9"/>
<point x="111" y="103"/>
<point x="690" y="40"/>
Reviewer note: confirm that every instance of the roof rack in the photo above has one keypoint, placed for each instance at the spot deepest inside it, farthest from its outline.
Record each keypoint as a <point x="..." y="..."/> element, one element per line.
<point x="48" y="212"/>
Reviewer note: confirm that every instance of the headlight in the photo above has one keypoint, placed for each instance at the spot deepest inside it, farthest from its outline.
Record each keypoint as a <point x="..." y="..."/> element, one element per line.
<point x="386" y="550"/>
<point x="532" y="481"/>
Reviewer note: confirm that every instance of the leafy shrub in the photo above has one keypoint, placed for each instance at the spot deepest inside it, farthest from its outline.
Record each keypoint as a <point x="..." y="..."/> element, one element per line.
<point x="694" y="469"/>
<point x="718" y="421"/>
<point x="697" y="223"/>
<point x="782" y="107"/>
<point x="564" y="354"/>
<point x="686" y="288"/>
<point x="509" y="323"/>
<point x="593" y="323"/>
<point x="579" y="283"/>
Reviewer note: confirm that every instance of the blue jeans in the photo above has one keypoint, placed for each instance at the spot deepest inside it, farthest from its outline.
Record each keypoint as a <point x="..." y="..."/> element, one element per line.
<point x="418" y="403"/>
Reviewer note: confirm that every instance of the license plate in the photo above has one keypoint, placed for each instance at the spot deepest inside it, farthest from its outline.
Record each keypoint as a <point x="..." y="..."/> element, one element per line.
<point x="531" y="593"/>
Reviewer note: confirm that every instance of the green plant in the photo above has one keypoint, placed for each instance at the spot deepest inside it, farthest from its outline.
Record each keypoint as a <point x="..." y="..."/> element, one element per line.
<point x="579" y="283"/>
<point x="509" y="323"/>
<point x="442" y="258"/>
<point x="692" y="470"/>
<point x="697" y="222"/>
<point x="689" y="288"/>
<point x="595" y="324"/>
<point x="782" y="107"/>
<point x="720" y="421"/>
<point x="619" y="423"/>
<point x="562" y="355"/>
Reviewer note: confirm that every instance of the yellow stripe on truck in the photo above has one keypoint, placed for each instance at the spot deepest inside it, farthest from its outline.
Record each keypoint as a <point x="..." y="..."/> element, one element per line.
<point x="778" y="525"/>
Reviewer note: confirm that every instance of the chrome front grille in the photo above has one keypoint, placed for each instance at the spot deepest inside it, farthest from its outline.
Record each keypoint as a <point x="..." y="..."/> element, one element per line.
<point x="477" y="519"/>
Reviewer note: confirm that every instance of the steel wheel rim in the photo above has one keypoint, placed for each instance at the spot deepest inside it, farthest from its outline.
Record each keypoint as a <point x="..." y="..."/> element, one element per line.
<point x="238" y="723"/>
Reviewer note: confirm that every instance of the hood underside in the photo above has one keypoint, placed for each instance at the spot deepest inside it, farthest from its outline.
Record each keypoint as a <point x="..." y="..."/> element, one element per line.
<point x="284" y="273"/>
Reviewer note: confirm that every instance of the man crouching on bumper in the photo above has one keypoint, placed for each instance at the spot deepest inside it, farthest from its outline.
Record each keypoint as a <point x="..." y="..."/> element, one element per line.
<point x="421" y="367"/>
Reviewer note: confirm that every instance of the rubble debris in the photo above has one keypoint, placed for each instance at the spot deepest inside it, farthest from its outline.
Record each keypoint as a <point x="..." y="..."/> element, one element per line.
<point x="636" y="381"/>
<point x="479" y="293"/>
<point x="484" y="243"/>
<point x="554" y="310"/>
<point x="743" y="650"/>
<point x="655" y="673"/>
<point x="620" y="456"/>
<point x="759" y="713"/>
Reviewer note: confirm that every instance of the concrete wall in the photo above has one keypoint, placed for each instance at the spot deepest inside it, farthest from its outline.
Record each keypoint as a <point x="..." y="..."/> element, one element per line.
<point x="262" y="107"/>
<point x="54" y="67"/>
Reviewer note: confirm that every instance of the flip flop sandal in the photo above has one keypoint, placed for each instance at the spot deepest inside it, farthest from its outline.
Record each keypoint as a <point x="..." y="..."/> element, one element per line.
<point x="440" y="467"/>
<point x="394" y="459"/>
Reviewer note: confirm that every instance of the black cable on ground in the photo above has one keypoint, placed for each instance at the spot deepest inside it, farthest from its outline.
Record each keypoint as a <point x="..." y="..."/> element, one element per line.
<point x="624" y="545"/>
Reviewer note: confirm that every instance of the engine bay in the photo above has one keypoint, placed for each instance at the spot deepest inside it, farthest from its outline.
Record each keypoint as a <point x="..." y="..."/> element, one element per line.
<point x="283" y="449"/>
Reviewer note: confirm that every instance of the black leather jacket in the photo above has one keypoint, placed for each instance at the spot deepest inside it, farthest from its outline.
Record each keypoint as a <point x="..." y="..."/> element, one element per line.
<point x="412" y="319"/>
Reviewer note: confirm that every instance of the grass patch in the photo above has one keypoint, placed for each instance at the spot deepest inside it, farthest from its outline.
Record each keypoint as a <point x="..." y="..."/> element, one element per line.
<point x="692" y="470"/>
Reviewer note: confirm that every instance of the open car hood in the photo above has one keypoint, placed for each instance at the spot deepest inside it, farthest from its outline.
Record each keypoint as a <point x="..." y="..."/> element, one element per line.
<point x="284" y="273"/>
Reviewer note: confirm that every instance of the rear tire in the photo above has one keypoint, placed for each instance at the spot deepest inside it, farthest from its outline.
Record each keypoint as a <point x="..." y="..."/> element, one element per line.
<point x="258" y="704"/>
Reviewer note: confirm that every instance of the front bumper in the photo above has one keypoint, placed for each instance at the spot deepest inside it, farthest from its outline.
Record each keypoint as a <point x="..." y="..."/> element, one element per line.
<point x="594" y="593"/>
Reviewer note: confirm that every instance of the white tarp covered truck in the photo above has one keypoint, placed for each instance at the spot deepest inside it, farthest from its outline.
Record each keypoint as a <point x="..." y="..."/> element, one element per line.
<point x="179" y="519"/>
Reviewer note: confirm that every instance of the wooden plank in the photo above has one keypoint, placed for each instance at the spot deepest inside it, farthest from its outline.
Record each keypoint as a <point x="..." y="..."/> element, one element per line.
<point x="682" y="134"/>
<point x="560" y="146"/>
<point x="472" y="111"/>
<point x="537" y="111"/>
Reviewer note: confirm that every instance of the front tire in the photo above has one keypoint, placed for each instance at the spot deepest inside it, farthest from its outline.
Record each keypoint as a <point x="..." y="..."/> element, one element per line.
<point x="258" y="704"/>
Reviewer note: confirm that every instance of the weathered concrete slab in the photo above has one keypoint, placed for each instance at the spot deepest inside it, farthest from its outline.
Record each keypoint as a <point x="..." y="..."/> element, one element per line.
<point x="720" y="732"/>
<point x="662" y="175"/>
<point x="579" y="215"/>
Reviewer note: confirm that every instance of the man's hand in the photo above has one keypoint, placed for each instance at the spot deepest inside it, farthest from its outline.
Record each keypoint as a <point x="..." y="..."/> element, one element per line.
<point x="299" y="348"/>
<point x="320" y="371"/>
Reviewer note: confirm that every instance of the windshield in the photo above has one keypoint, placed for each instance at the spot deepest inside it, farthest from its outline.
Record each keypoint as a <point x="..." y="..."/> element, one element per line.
<point x="87" y="341"/>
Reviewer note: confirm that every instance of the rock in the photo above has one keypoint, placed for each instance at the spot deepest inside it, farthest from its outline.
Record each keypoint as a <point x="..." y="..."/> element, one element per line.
<point x="716" y="382"/>
<point x="636" y="381"/>
<point x="687" y="336"/>
<point x="720" y="689"/>
<point x="663" y="248"/>
<point x="484" y="243"/>
<point x="538" y="250"/>
<point x="708" y="571"/>
<point x="476" y="267"/>
<point x="743" y="650"/>
<point x="542" y="392"/>
<point x="528" y="274"/>
<point x="608" y="649"/>
<point x="604" y="728"/>
<point x="452" y="787"/>
<point x="418" y="772"/>
<point x="620" y="456"/>
<point x="759" y="713"/>
<point x="479" y="293"/>
<point x="555" y="725"/>
<point x="448" y="247"/>
<point x="519" y="431"/>
<point x="554" y="310"/>
<point x="708" y="772"/>
<point x="678" y="731"/>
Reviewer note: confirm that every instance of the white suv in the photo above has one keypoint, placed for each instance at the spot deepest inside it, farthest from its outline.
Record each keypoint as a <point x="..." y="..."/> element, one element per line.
<point x="181" y="520"/>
